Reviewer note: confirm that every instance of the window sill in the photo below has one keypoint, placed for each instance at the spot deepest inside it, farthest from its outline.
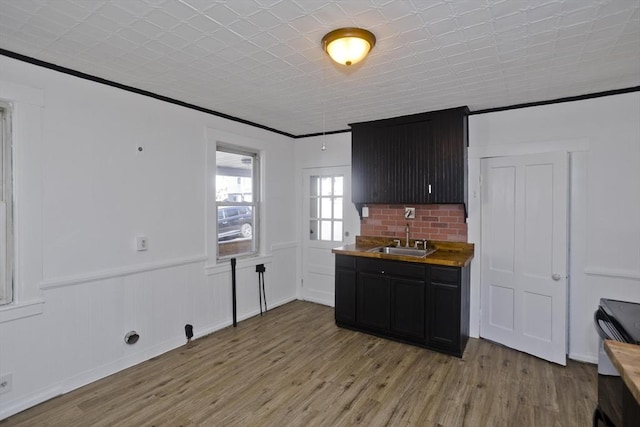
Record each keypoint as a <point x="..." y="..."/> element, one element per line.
<point x="17" y="311"/>
<point x="241" y="263"/>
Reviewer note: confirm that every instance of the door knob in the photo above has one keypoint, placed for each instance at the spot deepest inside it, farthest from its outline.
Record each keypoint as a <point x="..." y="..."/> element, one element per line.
<point x="556" y="277"/>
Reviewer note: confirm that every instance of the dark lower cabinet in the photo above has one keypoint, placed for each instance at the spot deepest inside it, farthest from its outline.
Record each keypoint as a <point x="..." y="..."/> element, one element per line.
<point x="345" y="292"/>
<point x="408" y="308"/>
<point x="373" y="293"/>
<point x="418" y="303"/>
<point x="445" y="327"/>
<point x="449" y="309"/>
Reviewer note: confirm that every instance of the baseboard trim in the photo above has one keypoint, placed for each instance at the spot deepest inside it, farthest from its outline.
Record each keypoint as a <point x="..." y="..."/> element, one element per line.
<point x="586" y="358"/>
<point x="30" y="402"/>
<point x="319" y="300"/>
<point x="116" y="366"/>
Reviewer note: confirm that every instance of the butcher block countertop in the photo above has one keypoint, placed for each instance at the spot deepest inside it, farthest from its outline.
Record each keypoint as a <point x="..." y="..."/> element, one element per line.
<point x="626" y="359"/>
<point x="452" y="254"/>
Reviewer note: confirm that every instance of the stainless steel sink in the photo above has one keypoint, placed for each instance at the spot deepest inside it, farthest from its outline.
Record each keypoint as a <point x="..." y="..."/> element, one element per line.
<point x="391" y="250"/>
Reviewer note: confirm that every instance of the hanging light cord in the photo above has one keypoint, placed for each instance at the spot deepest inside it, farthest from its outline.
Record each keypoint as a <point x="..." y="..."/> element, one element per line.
<point x="324" y="109"/>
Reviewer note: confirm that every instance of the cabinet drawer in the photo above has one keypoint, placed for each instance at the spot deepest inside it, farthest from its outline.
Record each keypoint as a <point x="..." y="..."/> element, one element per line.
<point x="445" y="274"/>
<point x="392" y="268"/>
<point x="346" y="261"/>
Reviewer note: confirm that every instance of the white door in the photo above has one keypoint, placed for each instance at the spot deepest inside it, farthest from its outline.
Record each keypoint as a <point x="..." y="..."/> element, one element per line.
<point x="524" y="253"/>
<point x="329" y="220"/>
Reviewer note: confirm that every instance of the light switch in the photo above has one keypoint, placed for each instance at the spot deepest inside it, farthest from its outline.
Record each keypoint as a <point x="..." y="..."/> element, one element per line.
<point x="142" y="243"/>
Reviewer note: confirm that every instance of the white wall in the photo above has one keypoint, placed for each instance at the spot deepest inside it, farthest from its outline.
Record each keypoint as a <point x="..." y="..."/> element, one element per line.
<point x="83" y="192"/>
<point x="602" y="136"/>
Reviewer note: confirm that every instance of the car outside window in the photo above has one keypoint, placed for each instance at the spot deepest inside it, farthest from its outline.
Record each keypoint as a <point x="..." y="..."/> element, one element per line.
<point x="236" y="201"/>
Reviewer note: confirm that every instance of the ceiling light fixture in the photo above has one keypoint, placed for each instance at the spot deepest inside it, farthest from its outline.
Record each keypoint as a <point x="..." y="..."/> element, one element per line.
<point x="348" y="46"/>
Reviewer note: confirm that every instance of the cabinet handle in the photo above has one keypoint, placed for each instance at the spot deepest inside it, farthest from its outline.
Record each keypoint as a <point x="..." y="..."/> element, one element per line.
<point x="381" y="271"/>
<point x="429" y="188"/>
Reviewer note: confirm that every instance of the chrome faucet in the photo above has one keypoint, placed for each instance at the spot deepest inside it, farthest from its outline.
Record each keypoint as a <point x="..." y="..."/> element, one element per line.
<point x="422" y="242"/>
<point x="407" y="231"/>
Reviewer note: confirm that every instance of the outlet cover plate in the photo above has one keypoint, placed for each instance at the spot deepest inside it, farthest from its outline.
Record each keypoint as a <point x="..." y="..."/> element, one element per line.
<point x="409" y="213"/>
<point x="142" y="243"/>
<point x="5" y="383"/>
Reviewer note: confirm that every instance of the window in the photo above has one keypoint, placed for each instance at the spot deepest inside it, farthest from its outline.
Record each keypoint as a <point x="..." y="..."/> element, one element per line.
<point x="236" y="201"/>
<point x="6" y="208"/>
<point x="325" y="213"/>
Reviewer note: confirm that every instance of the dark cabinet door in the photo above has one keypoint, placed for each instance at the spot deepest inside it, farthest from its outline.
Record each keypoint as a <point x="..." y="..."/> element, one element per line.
<point x="345" y="294"/>
<point x="447" y="160"/>
<point x="411" y="159"/>
<point x="373" y="301"/>
<point x="444" y="308"/>
<point x="415" y="169"/>
<point x="389" y="162"/>
<point x="374" y="164"/>
<point x="408" y="313"/>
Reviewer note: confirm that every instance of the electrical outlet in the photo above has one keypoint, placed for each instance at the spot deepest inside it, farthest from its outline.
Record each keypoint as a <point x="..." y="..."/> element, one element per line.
<point x="5" y="383"/>
<point x="142" y="243"/>
<point x="409" y="213"/>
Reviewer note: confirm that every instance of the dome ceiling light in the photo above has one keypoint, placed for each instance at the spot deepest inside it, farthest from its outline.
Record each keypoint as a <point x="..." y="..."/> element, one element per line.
<point x="348" y="46"/>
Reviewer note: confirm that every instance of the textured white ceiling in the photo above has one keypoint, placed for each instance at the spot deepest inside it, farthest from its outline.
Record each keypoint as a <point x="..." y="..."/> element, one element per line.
<point x="261" y="60"/>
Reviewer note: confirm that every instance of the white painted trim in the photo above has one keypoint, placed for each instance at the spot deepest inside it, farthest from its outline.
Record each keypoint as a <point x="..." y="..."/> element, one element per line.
<point x="537" y="147"/>
<point x="586" y="358"/>
<point x="610" y="272"/>
<point x="214" y="137"/>
<point x="321" y="270"/>
<point x="202" y="333"/>
<point x="29" y="402"/>
<point x="242" y="263"/>
<point x="17" y="92"/>
<point x="323" y="298"/>
<point x="284" y="245"/>
<point x="104" y="371"/>
<point x="119" y="272"/>
<point x="21" y="310"/>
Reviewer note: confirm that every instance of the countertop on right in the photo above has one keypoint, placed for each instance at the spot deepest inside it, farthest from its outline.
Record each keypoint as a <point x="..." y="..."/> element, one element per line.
<point x="626" y="359"/>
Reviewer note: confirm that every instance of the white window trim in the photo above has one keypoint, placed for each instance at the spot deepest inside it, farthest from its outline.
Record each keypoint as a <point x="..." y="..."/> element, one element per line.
<point x="254" y="204"/>
<point x="214" y="138"/>
<point x="27" y="107"/>
<point x="6" y="208"/>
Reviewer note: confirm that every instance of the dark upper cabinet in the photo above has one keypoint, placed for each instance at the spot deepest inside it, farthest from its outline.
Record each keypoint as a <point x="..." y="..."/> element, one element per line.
<point x="420" y="158"/>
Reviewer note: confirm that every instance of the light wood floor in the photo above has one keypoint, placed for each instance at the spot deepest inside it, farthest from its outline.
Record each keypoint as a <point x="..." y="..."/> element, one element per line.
<point x="294" y="367"/>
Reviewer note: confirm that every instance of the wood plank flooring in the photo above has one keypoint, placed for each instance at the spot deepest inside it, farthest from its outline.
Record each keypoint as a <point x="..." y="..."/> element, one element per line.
<point x="294" y="367"/>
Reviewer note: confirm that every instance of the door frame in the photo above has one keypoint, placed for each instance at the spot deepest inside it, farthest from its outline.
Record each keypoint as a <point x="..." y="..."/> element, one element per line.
<point x="577" y="148"/>
<point x="556" y="287"/>
<point x="349" y="214"/>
